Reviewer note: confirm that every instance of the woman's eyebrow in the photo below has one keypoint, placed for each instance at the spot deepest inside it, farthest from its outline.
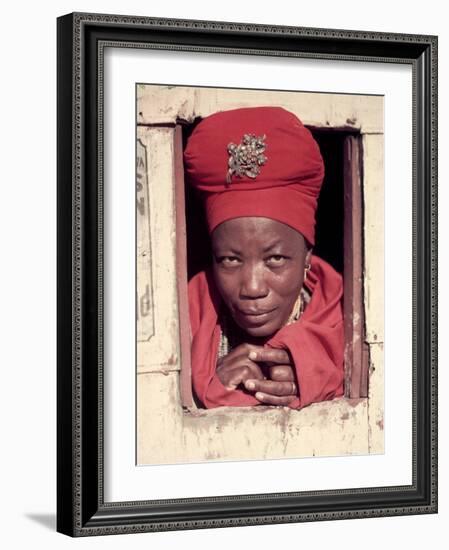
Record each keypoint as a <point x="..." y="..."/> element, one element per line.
<point x="221" y="250"/>
<point x="272" y="245"/>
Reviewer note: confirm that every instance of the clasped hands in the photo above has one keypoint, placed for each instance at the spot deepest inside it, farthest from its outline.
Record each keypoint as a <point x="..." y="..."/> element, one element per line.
<point x="266" y="373"/>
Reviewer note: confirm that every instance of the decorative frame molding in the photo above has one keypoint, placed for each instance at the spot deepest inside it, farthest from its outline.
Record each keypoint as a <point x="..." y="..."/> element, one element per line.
<point x="81" y="41"/>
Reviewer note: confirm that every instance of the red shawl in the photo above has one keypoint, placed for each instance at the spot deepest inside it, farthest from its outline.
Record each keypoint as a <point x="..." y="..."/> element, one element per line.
<point x="315" y="341"/>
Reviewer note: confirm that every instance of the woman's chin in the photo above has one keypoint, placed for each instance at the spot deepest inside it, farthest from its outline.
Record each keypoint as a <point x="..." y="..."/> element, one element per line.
<point x="260" y="331"/>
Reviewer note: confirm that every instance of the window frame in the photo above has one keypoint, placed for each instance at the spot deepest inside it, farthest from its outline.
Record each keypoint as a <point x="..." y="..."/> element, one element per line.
<point x="356" y="353"/>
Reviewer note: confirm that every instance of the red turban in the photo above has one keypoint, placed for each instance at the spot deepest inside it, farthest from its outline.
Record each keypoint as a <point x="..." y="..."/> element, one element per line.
<point x="256" y="161"/>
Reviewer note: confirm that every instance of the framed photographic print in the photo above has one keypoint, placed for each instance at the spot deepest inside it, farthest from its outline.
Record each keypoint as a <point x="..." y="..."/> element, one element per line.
<point x="246" y="274"/>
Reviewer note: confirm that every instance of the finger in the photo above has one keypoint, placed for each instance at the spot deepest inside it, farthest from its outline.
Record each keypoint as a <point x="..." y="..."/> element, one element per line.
<point x="242" y="373"/>
<point x="241" y="351"/>
<point x="282" y="373"/>
<point x="241" y="355"/>
<point x="270" y="355"/>
<point x="267" y="399"/>
<point x="270" y="387"/>
<point x="252" y="370"/>
<point x="227" y="363"/>
<point x="245" y="349"/>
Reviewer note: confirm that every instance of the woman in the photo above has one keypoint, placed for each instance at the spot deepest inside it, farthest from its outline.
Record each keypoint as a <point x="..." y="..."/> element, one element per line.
<point x="266" y="319"/>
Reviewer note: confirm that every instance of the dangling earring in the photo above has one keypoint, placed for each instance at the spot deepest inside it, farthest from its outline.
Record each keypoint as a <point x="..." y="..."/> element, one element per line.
<point x="306" y="270"/>
<point x="301" y="301"/>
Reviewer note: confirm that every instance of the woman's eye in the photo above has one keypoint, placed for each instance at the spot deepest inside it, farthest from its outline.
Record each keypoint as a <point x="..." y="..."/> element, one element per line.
<point x="276" y="260"/>
<point x="228" y="261"/>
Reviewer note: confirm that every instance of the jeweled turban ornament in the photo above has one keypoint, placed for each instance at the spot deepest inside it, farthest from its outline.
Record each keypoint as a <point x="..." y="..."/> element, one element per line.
<point x="246" y="158"/>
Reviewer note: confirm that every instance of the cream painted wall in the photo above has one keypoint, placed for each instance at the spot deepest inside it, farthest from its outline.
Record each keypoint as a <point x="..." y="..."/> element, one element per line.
<point x="166" y="434"/>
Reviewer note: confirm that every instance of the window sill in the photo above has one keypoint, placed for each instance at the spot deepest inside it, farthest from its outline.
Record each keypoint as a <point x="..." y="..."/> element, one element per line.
<point x="321" y="408"/>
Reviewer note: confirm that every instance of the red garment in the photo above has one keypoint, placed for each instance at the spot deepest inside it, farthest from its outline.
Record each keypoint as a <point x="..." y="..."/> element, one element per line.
<point x="315" y="341"/>
<point x="287" y="186"/>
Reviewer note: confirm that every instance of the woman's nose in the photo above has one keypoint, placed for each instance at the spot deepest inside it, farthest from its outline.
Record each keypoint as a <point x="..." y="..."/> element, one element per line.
<point x="253" y="284"/>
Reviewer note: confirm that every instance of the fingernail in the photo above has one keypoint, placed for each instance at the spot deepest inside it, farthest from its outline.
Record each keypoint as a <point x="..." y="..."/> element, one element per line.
<point x="259" y="396"/>
<point x="250" y="385"/>
<point x="252" y="355"/>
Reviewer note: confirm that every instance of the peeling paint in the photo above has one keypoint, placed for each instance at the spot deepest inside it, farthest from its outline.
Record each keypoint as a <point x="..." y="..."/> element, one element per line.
<point x="172" y="360"/>
<point x="355" y="402"/>
<point x="212" y="456"/>
<point x="166" y="432"/>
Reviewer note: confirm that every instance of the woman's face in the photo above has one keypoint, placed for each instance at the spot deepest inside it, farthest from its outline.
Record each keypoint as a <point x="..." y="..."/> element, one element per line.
<point x="259" y="270"/>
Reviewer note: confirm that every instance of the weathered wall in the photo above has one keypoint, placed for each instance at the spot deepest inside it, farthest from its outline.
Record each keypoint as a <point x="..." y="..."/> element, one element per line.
<point x="167" y="433"/>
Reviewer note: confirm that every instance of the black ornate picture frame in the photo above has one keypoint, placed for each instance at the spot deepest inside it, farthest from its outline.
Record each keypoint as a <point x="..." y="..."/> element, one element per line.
<point x="81" y="508"/>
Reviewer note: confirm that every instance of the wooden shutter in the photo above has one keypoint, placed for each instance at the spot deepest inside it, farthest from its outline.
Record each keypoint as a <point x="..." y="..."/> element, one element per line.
<point x="356" y="349"/>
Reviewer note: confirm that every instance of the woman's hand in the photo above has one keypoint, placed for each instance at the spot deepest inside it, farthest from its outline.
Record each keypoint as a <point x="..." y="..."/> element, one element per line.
<point x="281" y="388"/>
<point x="236" y="367"/>
<point x="245" y="365"/>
